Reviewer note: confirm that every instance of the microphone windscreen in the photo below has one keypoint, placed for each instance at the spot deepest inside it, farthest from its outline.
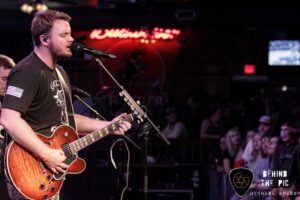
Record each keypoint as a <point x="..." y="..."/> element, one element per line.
<point x="75" y="46"/>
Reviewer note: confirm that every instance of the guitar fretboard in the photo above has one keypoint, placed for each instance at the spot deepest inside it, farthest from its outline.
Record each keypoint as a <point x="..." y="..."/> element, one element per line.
<point x="93" y="137"/>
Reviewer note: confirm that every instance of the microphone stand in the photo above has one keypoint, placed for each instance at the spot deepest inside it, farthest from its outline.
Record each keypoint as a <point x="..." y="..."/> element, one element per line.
<point x="142" y="118"/>
<point x="146" y="142"/>
<point x="99" y="116"/>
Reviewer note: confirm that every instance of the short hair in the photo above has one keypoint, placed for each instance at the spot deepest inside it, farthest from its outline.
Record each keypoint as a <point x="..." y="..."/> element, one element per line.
<point x="170" y="110"/>
<point x="43" y="22"/>
<point x="6" y="62"/>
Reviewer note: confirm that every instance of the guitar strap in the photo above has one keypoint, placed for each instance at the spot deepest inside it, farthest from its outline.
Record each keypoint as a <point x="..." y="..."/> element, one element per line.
<point x="69" y="111"/>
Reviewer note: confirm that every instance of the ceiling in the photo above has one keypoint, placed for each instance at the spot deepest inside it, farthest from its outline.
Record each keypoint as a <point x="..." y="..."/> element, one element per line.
<point x="15" y="4"/>
<point x="87" y="14"/>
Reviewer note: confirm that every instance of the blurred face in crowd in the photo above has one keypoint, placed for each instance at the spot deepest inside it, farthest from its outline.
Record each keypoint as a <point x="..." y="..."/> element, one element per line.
<point x="257" y="140"/>
<point x="250" y="135"/>
<point x="264" y="128"/>
<point x="217" y="115"/>
<point x="3" y="79"/>
<point x="171" y="117"/>
<point x="265" y="145"/>
<point x="235" y="137"/>
<point x="222" y="144"/>
<point x="272" y="145"/>
<point x="285" y="131"/>
<point x="227" y="113"/>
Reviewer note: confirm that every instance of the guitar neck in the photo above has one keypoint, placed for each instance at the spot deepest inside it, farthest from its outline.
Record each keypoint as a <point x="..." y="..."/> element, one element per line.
<point x="93" y="137"/>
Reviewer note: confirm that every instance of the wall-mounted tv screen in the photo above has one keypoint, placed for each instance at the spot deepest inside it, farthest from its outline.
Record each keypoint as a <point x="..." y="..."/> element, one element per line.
<point x="284" y="53"/>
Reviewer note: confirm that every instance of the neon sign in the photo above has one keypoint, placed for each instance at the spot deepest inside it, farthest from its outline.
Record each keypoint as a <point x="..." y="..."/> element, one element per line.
<point x="125" y="33"/>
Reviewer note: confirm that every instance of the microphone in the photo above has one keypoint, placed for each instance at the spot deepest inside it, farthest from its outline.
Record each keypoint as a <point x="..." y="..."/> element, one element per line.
<point x="79" y="47"/>
<point x="80" y="91"/>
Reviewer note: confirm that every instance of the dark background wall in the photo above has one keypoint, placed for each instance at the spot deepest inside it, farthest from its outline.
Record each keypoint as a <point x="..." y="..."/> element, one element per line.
<point x="216" y="40"/>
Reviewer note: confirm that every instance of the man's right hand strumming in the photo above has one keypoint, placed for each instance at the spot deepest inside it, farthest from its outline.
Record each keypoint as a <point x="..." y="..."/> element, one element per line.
<point x="54" y="159"/>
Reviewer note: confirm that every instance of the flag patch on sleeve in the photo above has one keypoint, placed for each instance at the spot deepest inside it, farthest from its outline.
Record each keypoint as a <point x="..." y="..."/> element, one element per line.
<point x="14" y="91"/>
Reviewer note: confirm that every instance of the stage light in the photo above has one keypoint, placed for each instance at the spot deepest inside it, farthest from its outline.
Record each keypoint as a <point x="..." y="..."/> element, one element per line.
<point x="41" y="6"/>
<point x="26" y="8"/>
<point x="284" y="88"/>
<point x="32" y="6"/>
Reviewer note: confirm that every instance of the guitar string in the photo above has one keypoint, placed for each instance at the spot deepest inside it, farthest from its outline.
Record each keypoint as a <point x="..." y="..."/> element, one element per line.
<point x="77" y="145"/>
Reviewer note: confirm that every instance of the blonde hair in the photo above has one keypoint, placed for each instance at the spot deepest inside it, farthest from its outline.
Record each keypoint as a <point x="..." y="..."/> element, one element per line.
<point x="255" y="152"/>
<point x="232" y="150"/>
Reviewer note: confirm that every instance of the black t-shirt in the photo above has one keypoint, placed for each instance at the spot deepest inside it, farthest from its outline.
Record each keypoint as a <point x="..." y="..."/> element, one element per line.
<point x="34" y="90"/>
<point x="228" y="156"/>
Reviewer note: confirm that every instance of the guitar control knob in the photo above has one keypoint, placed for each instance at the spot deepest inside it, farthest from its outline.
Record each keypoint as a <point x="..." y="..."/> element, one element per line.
<point x="66" y="134"/>
<point x="42" y="186"/>
<point x="48" y="177"/>
<point x="45" y="196"/>
<point x="53" y="189"/>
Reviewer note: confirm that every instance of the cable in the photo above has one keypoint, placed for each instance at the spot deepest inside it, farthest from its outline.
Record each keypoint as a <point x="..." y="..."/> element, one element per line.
<point x="127" y="164"/>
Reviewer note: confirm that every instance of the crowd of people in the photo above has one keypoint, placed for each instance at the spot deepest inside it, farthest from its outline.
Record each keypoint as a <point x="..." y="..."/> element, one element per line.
<point x="246" y="137"/>
<point x="262" y="149"/>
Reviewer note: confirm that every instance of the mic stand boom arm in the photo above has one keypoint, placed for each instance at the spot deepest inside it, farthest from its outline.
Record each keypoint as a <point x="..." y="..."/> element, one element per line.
<point x="98" y="115"/>
<point x="134" y="105"/>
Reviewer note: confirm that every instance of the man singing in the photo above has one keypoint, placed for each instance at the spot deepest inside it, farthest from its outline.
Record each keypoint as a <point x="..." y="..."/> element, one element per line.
<point x="36" y="101"/>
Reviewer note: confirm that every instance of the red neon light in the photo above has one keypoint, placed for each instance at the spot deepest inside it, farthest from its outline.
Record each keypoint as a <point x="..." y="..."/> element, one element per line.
<point x="249" y="69"/>
<point x="124" y="33"/>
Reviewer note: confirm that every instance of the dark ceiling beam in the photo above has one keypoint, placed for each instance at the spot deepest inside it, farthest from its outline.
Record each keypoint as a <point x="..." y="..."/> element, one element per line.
<point x="164" y="15"/>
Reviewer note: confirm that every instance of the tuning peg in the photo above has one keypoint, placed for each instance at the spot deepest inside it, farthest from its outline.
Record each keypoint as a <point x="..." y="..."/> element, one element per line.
<point x="132" y="108"/>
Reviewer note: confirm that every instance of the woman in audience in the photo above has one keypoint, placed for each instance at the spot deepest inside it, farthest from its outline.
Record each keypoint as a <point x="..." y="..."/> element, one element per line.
<point x="211" y="130"/>
<point x="239" y="162"/>
<point x="212" y="126"/>
<point x="255" y="155"/>
<point x="216" y="172"/>
<point x="174" y="129"/>
<point x="233" y="142"/>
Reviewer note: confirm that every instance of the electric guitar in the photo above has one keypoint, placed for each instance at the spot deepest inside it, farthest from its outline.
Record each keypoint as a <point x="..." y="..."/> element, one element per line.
<point x="32" y="178"/>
